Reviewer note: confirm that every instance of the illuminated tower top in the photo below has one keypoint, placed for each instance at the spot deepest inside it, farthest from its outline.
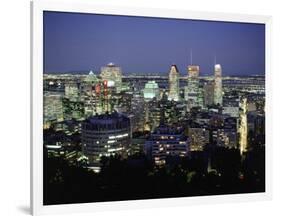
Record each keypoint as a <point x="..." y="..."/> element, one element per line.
<point x="174" y="69"/>
<point x="218" y="71"/>
<point x="193" y="71"/>
<point x="218" y="84"/>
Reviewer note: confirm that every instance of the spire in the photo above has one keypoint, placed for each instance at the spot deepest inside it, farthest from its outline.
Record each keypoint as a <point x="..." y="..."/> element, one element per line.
<point x="191" y="56"/>
<point x="215" y="59"/>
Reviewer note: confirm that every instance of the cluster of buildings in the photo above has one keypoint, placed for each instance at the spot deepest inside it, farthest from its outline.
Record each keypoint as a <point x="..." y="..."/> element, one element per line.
<point x="163" y="117"/>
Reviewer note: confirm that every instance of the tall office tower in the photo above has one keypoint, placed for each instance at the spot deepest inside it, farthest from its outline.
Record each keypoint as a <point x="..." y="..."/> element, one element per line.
<point x="174" y="84"/>
<point x="113" y="75"/>
<point x="218" y="85"/>
<point x="102" y="98"/>
<point x="53" y="109"/>
<point x="208" y="94"/>
<point x="137" y="112"/>
<point x="243" y="129"/>
<point x="192" y="88"/>
<point x="151" y="90"/>
<point x="105" y="135"/>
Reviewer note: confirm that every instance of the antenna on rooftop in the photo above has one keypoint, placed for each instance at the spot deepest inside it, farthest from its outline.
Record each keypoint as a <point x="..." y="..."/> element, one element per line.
<point x="215" y="59"/>
<point x="191" y="56"/>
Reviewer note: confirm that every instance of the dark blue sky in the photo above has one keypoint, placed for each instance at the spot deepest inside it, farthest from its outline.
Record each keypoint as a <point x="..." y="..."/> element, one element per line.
<point x="75" y="42"/>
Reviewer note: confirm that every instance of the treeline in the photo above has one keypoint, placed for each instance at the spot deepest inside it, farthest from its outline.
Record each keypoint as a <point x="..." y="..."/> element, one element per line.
<point x="212" y="172"/>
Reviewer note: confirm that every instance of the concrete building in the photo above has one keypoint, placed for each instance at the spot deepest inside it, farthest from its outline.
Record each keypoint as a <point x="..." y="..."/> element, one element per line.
<point x="192" y="89"/>
<point x="218" y="85"/>
<point x="53" y="108"/>
<point x="174" y="85"/>
<point x="151" y="90"/>
<point x="243" y="127"/>
<point x="166" y="142"/>
<point x="105" y="135"/>
<point x="199" y="137"/>
<point x="208" y="94"/>
<point x="71" y="90"/>
<point x="113" y="75"/>
<point x="227" y="136"/>
<point x="231" y="105"/>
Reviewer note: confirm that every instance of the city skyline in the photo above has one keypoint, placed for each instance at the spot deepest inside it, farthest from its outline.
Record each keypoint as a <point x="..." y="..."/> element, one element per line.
<point x="183" y="123"/>
<point x="150" y="45"/>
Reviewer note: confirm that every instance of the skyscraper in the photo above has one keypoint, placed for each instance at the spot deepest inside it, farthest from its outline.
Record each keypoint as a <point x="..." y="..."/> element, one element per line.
<point x="105" y="135"/>
<point x="192" y="88"/>
<point x="53" y="108"/>
<point x="218" y="85"/>
<point x="243" y="129"/>
<point x="151" y="90"/>
<point x="113" y="75"/>
<point x="174" y="84"/>
<point x="208" y="94"/>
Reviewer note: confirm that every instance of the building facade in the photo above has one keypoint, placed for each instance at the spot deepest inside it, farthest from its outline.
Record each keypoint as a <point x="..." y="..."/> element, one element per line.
<point x="192" y="88"/>
<point x="105" y="135"/>
<point x="53" y="108"/>
<point x="113" y="75"/>
<point x="218" y="85"/>
<point x="166" y="142"/>
<point x="151" y="90"/>
<point x="174" y="85"/>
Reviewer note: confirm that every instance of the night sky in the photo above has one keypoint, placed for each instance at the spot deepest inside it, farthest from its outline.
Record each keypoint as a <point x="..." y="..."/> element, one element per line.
<point x="83" y="42"/>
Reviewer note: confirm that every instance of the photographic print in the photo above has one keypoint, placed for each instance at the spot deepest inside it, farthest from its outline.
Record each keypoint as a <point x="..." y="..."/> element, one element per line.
<point x="144" y="107"/>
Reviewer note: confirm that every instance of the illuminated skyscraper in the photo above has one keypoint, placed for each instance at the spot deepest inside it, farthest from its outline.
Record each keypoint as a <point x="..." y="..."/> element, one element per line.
<point x="174" y="84"/>
<point x="113" y="75"/>
<point x="105" y="135"/>
<point x="208" y="94"/>
<point x="192" y="88"/>
<point x="218" y="85"/>
<point x="151" y="90"/>
<point x="243" y="130"/>
<point x="53" y="108"/>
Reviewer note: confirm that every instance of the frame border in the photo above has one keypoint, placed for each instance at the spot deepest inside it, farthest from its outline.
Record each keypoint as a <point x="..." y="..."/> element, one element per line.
<point x="36" y="112"/>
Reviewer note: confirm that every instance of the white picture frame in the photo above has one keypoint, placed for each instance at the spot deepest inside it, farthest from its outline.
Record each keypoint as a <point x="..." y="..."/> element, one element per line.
<point x="86" y="6"/>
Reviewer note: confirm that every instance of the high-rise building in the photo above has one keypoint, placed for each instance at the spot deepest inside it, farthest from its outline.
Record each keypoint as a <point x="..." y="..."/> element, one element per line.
<point x="137" y="112"/>
<point x="113" y="75"/>
<point x="53" y="108"/>
<point x="192" y="88"/>
<point x="103" y="98"/>
<point x="73" y="109"/>
<point x="227" y="136"/>
<point x="243" y="129"/>
<point x="208" y="94"/>
<point x="174" y="85"/>
<point x="199" y="136"/>
<point x="218" y="85"/>
<point x="71" y="90"/>
<point x="151" y="90"/>
<point x="166" y="141"/>
<point x="231" y="105"/>
<point x="105" y="135"/>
